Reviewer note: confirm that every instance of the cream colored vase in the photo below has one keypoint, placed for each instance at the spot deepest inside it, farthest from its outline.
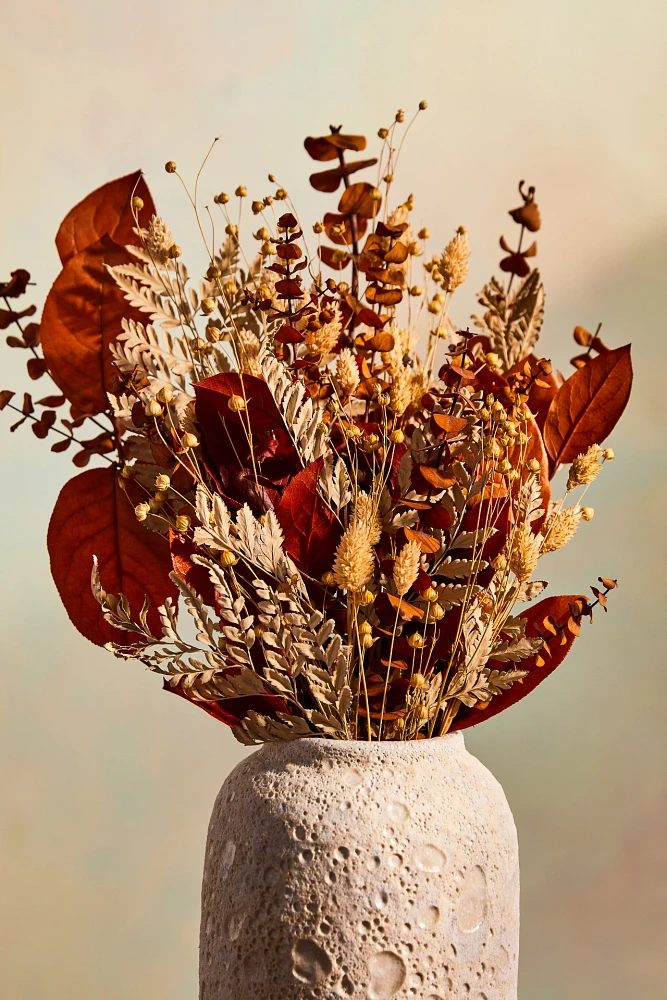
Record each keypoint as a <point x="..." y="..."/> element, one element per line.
<point x="362" y="870"/>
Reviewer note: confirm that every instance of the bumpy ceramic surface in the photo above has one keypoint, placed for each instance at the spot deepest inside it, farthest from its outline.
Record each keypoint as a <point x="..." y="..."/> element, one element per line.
<point x="362" y="870"/>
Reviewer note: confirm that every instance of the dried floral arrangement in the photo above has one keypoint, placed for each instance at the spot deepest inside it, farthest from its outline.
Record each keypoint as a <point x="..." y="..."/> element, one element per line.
<point x="353" y="525"/>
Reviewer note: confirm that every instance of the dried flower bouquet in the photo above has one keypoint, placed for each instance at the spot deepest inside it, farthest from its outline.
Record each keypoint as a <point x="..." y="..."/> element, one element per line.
<point x="349" y="494"/>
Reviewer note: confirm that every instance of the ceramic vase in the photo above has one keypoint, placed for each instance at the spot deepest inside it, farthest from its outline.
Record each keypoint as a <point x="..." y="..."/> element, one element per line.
<point x="360" y="870"/>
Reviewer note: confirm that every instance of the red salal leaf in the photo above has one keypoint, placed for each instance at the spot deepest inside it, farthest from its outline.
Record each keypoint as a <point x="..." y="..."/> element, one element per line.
<point x="93" y="516"/>
<point x="227" y="444"/>
<point x="559" y="646"/>
<point x="82" y="317"/>
<point x="311" y="530"/>
<point x="107" y="211"/>
<point x="588" y="405"/>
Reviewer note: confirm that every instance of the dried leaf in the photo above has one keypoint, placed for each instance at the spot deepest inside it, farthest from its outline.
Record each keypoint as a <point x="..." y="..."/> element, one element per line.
<point x="588" y="405"/>
<point x="107" y="211"/>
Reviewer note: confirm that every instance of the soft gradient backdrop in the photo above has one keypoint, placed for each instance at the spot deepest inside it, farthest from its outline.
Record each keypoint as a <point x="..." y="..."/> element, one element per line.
<point x="107" y="783"/>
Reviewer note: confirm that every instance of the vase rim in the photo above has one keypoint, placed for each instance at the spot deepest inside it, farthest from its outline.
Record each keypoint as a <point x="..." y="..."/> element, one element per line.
<point x="315" y="748"/>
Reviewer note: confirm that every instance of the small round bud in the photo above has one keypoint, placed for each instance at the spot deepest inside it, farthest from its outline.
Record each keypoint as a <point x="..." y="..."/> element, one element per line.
<point x="435" y="307"/>
<point x="237" y="403"/>
<point x="268" y="200"/>
<point x="152" y="408"/>
<point x="162" y="483"/>
<point x="230" y="289"/>
<point x="423" y="714"/>
<point x="383" y="133"/>
<point x="416" y="290"/>
<point x="141" y="511"/>
<point x="174" y="251"/>
<point x="367" y="597"/>
<point x="222" y="198"/>
<point x="417" y="681"/>
<point x="328" y="579"/>
<point x="182" y="523"/>
<point x="170" y="167"/>
<point x="399" y="725"/>
<point x="505" y="466"/>
<point x="213" y="272"/>
<point x="208" y="306"/>
<point x="388" y="178"/>
<point x="416" y="641"/>
<point x="608" y="455"/>
<point x="492" y="449"/>
<point x="137" y="203"/>
<point x="318" y="228"/>
<point x="228" y="558"/>
<point x="241" y="191"/>
<point x="343" y="287"/>
<point x="365" y="628"/>
<point x="353" y="431"/>
<point x="423" y="105"/>
<point x="127" y="472"/>
<point x="533" y="465"/>
<point x="189" y="440"/>
<point x="400" y="115"/>
<point x="384" y="398"/>
<point x="437" y="612"/>
<point x="397" y="436"/>
<point x="231" y="229"/>
<point x="492" y="360"/>
<point x="430" y="595"/>
<point x="281" y="194"/>
<point x="587" y="513"/>
<point x="424" y="233"/>
<point x="513" y="475"/>
<point x="165" y="394"/>
<point x="367" y="641"/>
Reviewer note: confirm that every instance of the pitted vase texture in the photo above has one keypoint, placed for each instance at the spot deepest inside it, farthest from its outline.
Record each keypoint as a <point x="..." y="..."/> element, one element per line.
<point x="360" y="870"/>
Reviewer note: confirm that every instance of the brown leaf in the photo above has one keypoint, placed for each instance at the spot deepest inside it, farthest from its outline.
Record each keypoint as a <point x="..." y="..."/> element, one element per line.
<point x="36" y="368"/>
<point x="336" y="259"/>
<point x="361" y="198"/>
<point x="82" y="317"/>
<point x="588" y="405"/>
<point x="428" y="543"/>
<point x="16" y="285"/>
<point x="106" y="211"/>
<point x="449" y="424"/>
<point x="93" y="516"/>
<point x="409" y="612"/>
<point x="334" y="219"/>
<point x="327" y="147"/>
<point x="6" y="396"/>
<point x="382" y="342"/>
<point x="328" y="181"/>
<point x="436" y="478"/>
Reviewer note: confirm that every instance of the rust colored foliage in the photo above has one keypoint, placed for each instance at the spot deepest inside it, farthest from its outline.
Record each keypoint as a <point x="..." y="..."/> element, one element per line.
<point x="355" y="519"/>
<point x="92" y="517"/>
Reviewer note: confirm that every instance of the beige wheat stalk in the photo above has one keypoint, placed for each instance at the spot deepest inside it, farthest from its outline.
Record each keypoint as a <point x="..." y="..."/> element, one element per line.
<point x="354" y="559"/>
<point x="406" y="567"/>
<point x="453" y="265"/>
<point x="585" y="468"/>
<point x="560" y="528"/>
<point x="347" y="372"/>
<point x="525" y="553"/>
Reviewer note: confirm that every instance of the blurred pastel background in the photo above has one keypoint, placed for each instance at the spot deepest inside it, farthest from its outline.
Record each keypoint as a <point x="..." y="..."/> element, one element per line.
<point x="107" y="783"/>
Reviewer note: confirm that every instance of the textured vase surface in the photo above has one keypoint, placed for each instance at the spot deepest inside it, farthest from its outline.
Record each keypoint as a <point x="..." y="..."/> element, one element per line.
<point x="363" y="870"/>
